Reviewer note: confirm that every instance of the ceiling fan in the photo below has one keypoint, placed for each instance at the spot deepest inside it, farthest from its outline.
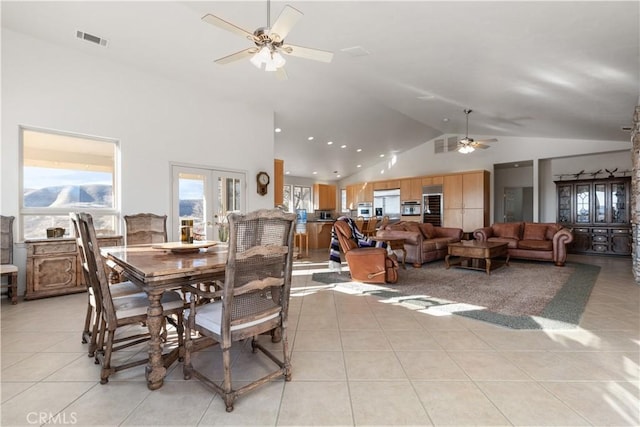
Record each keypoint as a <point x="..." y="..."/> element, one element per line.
<point x="467" y="145"/>
<point x="269" y="42"/>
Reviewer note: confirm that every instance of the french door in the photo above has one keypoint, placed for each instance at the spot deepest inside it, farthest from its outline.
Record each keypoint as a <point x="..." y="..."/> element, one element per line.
<point x="206" y="196"/>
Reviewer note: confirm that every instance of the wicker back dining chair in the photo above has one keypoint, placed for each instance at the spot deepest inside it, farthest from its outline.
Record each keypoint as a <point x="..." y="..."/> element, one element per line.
<point x="254" y="298"/>
<point x="7" y="269"/>
<point x="145" y="228"/>
<point x="117" y="312"/>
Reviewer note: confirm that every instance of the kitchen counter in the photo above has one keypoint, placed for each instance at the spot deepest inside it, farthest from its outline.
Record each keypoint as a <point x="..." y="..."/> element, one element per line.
<point x="319" y="232"/>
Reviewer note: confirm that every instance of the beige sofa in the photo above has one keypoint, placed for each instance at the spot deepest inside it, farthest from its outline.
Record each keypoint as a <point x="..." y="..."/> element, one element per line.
<point x="423" y="242"/>
<point x="530" y="240"/>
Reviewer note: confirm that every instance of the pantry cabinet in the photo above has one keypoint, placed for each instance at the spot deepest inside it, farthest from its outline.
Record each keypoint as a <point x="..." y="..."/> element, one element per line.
<point x="411" y="189"/>
<point x="466" y="200"/>
<point x="53" y="266"/>
<point x="324" y="197"/>
<point x="597" y="210"/>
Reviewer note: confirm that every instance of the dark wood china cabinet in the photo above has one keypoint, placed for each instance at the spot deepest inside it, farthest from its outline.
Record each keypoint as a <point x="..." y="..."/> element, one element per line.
<point x="598" y="212"/>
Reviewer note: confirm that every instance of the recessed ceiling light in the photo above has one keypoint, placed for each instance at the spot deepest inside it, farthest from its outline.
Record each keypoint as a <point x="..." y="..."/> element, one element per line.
<point x="359" y="150"/>
<point x="446" y="119"/>
<point x="287" y="172"/>
<point x="343" y="146"/>
<point x="382" y="172"/>
<point x="315" y="172"/>
<point x="278" y="130"/>
<point x="381" y="155"/>
<point x="359" y="166"/>
<point x="329" y="142"/>
<point x="310" y="138"/>
<point x="338" y="176"/>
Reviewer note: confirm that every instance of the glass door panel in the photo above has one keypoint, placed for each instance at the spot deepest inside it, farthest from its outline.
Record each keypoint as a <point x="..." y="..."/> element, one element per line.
<point x="618" y="204"/>
<point x="600" y="208"/>
<point x="582" y="203"/>
<point x="564" y="203"/>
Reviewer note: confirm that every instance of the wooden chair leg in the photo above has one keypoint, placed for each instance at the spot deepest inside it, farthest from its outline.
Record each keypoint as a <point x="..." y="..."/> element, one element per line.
<point x="12" y="281"/>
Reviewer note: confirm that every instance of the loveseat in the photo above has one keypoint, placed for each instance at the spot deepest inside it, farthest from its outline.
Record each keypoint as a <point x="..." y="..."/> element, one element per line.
<point x="530" y="240"/>
<point x="423" y="242"/>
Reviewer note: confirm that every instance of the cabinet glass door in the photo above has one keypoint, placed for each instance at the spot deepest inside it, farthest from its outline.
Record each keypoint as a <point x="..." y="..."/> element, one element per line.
<point x="600" y="204"/>
<point x="564" y="203"/>
<point x="618" y="203"/>
<point x="582" y="203"/>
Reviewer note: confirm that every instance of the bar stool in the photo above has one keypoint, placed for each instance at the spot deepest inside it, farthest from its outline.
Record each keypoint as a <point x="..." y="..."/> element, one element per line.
<point x="298" y="241"/>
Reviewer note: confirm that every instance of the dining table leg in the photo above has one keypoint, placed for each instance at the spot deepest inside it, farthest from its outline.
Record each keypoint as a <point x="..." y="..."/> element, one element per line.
<point x="155" y="371"/>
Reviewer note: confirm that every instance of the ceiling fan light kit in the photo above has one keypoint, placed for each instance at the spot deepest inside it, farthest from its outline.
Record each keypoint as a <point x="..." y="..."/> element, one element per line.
<point x="269" y="42"/>
<point x="467" y="145"/>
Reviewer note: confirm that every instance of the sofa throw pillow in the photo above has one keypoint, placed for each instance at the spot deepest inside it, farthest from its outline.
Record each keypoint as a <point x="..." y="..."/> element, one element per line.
<point x="412" y="226"/>
<point x="534" y="231"/>
<point x="509" y="230"/>
<point x="428" y="230"/>
<point x="397" y="227"/>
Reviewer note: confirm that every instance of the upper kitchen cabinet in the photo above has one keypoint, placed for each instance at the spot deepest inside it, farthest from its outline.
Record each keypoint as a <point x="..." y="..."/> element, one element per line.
<point x="278" y="182"/>
<point x="411" y="189"/>
<point x="432" y="180"/>
<point x="466" y="200"/>
<point x="324" y="197"/>
<point x="386" y="185"/>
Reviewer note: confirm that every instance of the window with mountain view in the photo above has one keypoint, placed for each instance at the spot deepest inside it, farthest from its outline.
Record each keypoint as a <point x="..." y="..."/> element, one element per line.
<point x="64" y="173"/>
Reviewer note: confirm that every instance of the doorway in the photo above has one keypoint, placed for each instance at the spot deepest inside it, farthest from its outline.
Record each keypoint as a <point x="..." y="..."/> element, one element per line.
<point x="518" y="204"/>
<point x="513" y="189"/>
<point x="205" y="195"/>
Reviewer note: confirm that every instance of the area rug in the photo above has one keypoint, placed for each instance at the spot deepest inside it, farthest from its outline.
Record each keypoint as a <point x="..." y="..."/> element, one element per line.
<point x="523" y="295"/>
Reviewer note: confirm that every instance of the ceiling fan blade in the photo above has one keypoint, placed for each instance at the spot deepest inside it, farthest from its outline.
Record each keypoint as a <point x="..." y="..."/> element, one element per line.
<point x="285" y="22"/>
<point x="482" y="141"/>
<point x="281" y="74"/>
<point x="478" y="145"/>
<point x="237" y="56"/>
<point x="221" y="23"/>
<point x="307" y="53"/>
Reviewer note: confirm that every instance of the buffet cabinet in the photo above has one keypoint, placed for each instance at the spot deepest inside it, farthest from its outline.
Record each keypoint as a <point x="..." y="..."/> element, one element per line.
<point x="53" y="266"/>
<point x="598" y="212"/>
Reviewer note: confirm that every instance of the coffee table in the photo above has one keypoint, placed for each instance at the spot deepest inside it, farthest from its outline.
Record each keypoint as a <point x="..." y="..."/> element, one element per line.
<point x="476" y="255"/>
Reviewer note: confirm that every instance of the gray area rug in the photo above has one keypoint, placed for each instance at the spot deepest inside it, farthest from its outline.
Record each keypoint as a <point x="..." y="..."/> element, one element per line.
<point x="523" y="295"/>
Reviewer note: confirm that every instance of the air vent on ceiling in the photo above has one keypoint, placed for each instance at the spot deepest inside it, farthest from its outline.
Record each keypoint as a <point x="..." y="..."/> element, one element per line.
<point x="626" y="128"/>
<point x="445" y="144"/>
<point x="91" y="38"/>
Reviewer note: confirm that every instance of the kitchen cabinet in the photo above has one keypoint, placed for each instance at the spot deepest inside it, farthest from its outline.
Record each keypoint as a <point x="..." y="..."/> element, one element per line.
<point x="352" y="193"/>
<point x="386" y="185"/>
<point x="466" y="200"/>
<point x="319" y="233"/>
<point x="411" y="189"/>
<point x="598" y="212"/>
<point x="53" y="266"/>
<point x="324" y="197"/>
<point x="278" y="182"/>
<point x="365" y="193"/>
<point x="432" y="180"/>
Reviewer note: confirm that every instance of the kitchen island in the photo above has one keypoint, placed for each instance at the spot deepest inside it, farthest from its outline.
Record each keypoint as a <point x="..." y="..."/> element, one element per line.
<point x="319" y="232"/>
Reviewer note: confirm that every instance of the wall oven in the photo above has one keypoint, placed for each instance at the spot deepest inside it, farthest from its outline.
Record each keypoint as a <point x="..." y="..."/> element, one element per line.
<point x="365" y="210"/>
<point x="411" y="209"/>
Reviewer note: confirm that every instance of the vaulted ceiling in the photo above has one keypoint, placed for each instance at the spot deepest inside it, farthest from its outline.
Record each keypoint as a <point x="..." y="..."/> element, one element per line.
<point x="402" y="73"/>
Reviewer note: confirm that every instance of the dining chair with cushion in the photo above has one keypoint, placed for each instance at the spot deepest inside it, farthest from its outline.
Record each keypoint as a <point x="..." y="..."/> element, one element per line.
<point x="117" y="312"/>
<point x="145" y="228"/>
<point x="359" y="222"/>
<point x="254" y="299"/>
<point x="7" y="269"/>
<point x="94" y="308"/>
<point x="366" y="264"/>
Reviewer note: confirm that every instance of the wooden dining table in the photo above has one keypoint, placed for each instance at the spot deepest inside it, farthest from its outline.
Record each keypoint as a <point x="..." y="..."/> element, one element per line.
<point x="156" y="270"/>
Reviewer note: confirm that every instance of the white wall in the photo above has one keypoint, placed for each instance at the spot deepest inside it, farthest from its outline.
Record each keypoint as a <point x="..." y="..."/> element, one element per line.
<point x="157" y="121"/>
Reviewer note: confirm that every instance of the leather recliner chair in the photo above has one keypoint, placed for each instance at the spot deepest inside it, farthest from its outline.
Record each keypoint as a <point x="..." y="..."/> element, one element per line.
<point x="368" y="265"/>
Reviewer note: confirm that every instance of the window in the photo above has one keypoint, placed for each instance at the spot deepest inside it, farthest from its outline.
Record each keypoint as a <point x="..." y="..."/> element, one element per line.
<point x="343" y="200"/>
<point x="297" y="197"/>
<point x="63" y="173"/>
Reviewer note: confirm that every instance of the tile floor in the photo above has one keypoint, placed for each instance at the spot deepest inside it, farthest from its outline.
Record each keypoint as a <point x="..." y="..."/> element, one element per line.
<point x="356" y="361"/>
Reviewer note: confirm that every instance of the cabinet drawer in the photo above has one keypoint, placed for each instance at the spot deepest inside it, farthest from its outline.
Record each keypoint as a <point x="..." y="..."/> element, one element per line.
<point x="599" y="238"/>
<point x="620" y="231"/>
<point x="600" y="231"/>
<point x="600" y="247"/>
<point x="580" y="230"/>
<point x="56" y="248"/>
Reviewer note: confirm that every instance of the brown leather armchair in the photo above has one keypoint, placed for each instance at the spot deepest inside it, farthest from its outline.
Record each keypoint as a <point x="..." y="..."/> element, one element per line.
<point x="369" y="265"/>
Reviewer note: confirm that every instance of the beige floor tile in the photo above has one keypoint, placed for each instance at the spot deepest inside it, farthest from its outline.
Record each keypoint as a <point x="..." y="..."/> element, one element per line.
<point x="601" y="403"/>
<point x="412" y="340"/>
<point x="8" y="389"/>
<point x="364" y="340"/>
<point x="387" y="403"/>
<point x="176" y="404"/>
<point x="314" y="322"/>
<point x="45" y="400"/>
<point x="430" y="365"/>
<point x="318" y="366"/>
<point x="398" y="322"/>
<point x="487" y="366"/>
<point x="458" y="403"/>
<point x="324" y="340"/>
<point x="358" y="321"/>
<point x="373" y="365"/>
<point x="9" y="359"/>
<point x="258" y="407"/>
<point x="459" y="340"/>
<point x="315" y="403"/>
<point x="39" y="366"/>
<point x="527" y="403"/>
